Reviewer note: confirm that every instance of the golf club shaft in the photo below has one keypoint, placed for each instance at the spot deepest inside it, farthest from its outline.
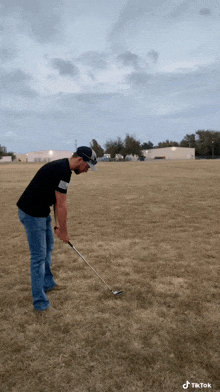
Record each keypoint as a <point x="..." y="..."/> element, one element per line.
<point x="114" y="292"/>
<point x="89" y="265"/>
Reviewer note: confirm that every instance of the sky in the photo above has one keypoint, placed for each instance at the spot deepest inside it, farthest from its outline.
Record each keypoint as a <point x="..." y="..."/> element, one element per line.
<point x="73" y="71"/>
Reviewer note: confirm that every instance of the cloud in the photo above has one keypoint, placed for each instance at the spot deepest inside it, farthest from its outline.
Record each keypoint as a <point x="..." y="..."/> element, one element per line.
<point x="14" y="77"/>
<point x="94" y="59"/>
<point x="129" y="59"/>
<point x="65" y="67"/>
<point x="17" y="82"/>
<point x="194" y="111"/>
<point x="205" y="11"/>
<point x="153" y="55"/>
<point x="138" y="79"/>
<point x="37" y="17"/>
<point x="142" y="15"/>
<point x="184" y="93"/>
<point x="7" y="54"/>
<point x="134" y="10"/>
<point x="189" y="10"/>
<point x="118" y="66"/>
<point x="179" y="10"/>
<point x="97" y="98"/>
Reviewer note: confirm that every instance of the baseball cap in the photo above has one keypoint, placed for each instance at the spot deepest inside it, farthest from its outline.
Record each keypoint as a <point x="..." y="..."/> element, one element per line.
<point x="88" y="155"/>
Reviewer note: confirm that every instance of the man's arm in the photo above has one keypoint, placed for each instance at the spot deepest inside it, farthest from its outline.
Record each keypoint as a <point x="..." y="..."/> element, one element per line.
<point x="61" y="211"/>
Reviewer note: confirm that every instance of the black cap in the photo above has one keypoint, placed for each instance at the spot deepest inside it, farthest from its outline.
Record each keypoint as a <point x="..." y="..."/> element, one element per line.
<point x="88" y="155"/>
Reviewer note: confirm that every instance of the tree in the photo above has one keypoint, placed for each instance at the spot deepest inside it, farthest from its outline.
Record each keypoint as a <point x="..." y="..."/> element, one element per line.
<point x="3" y="151"/>
<point x="147" y="146"/>
<point x="97" y="148"/>
<point x="188" y="141"/>
<point x="129" y="146"/>
<point x="208" y="142"/>
<point x="132" y="146"/>
<point x="167" y="143"/>
<point x="114" y="147"/>
<point x="205" y="142"/>
<point x="10" y="153"/>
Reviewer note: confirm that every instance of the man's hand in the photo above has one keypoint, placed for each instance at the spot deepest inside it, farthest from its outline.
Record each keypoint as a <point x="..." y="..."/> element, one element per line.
<point x="63" y="236"/>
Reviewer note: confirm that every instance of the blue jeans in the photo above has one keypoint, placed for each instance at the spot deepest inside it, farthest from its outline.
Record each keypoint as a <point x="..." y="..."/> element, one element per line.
<point x="41" y="243"/>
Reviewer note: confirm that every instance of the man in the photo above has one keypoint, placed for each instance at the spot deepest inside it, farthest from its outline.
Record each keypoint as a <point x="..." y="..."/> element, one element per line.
<point x="47" y="188"/>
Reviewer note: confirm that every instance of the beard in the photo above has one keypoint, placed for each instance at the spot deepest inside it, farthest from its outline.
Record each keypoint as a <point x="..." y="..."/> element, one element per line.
<point x="76" y="171"/>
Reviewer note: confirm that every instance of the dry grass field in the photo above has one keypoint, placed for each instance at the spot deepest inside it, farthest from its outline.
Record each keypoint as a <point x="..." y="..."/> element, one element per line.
<point x="151" y="229"/>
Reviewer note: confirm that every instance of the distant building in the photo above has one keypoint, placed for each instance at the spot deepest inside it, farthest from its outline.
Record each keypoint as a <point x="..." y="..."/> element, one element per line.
<point x="131" y="157"/>
<point x="119" y="157"/>
<point x="106" y="157"/>
<point x="20" y="158"/>
<point x="6" y="159"/>
<point x="47" y="156"/>
<point x="169" y="153"/>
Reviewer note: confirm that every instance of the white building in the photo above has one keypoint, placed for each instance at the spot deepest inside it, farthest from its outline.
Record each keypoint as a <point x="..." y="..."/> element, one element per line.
<point x="106" y="157"/>
<point x="118" y="157"/>
<point x="6" y="159"/>
<point x="20" y="157"/>
<point x="169" y="153"/>
<point x="47" y="156"/>
<point x="131" y="157"/>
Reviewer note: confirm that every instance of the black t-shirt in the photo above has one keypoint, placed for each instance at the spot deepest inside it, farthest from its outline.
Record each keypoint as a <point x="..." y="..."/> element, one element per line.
<point x="40" y="193"/>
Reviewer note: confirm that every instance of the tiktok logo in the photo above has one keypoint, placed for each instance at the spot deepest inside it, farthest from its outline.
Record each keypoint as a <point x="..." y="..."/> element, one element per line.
<point x="186" y="386"/>
<point x="196" y="385"/>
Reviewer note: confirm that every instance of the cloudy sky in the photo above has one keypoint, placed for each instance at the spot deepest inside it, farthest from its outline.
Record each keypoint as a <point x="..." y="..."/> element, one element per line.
<point x="73" y="71"/>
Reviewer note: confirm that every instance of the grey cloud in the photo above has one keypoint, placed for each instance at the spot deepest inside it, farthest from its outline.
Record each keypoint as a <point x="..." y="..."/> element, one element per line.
<point x="91" y="75"/>
<point x="16" y="82"/>
<point x="129" y="59"/>
<point x="181" y="89"/>
<point x="94" y="98"/>
<point x="179" y="9"/>
<point x="40" y="18"/>
<point x="193" y="92"/>
<point x="195" y="111"/>
<point x="65" y="67"/>
<point x="205" y="11"/>
<point x="14" y="77"/>
<point x="189" y="9"/>
<point x="45" y="27"/>
<point x="23" y="5"/>
<point x="94" y="60"/>
<point x="138" y="79"/>
<point x="7" y="54"/>
<point x="136" y="10"/>
<point x="153" y="55"/>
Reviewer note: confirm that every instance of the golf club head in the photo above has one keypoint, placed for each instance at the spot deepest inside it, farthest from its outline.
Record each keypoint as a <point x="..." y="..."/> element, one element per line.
<point x="117" y="292"/>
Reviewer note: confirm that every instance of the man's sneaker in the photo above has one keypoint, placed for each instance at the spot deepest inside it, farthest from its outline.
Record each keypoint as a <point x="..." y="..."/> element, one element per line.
<point x="57" y="287"/>
<point x="50" y="311"/>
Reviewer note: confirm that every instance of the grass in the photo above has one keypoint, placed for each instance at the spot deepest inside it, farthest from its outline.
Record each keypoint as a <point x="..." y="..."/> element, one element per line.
<point x="148" y="228"/>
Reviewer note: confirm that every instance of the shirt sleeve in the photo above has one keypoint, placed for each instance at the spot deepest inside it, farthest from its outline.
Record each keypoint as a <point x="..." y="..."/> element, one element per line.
<point x="62" y="186"/>
<point x="63" y="180"/>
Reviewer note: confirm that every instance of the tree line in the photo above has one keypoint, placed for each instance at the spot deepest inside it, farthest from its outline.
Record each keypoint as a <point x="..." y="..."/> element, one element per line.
<point x="205" y="142"/>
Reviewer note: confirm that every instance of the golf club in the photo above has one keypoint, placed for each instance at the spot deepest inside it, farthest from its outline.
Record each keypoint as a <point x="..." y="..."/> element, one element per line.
<point x="113" y="292"/>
